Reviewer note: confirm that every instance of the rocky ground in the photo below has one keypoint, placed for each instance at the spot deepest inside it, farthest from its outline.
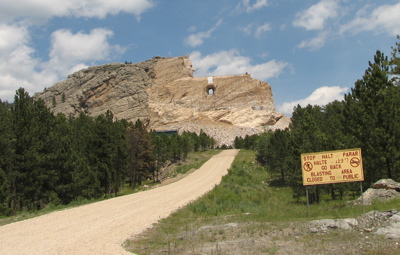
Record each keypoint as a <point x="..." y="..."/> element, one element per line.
<point x="372" y="233"/>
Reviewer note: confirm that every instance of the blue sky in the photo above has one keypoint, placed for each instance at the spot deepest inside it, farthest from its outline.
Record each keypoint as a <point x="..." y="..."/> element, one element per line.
<point x="310" y="51"/>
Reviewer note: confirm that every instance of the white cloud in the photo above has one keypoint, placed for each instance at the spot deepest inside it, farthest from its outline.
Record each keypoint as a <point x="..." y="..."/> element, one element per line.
<point x="12" y="36"/>
<point x="197" y="39"/>
<point x="17" y="64"/>
<point x="315" y="17"/>
<point x="314" y="43"/>
<point x="40" y="9"/>
<point x="69" y="49"/>
<point x="385" y="18"/>
<point x="262" y="29"/>
<point x="246" y="6"/>
<point x="101" y="8"/>
<point x="258" y="31"/>
<point x="248" y="29"/>
<point x="231" y="63"/>
<point x="321" y="96"/>
<point x="69" y="53"/>
<point x="19" y="67"/>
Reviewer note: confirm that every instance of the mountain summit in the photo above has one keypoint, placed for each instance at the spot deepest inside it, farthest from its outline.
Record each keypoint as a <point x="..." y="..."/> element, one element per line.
<point x="163" y="93"/>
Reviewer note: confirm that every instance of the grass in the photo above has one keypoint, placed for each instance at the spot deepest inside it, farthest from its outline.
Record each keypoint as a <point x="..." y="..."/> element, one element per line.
<point x="194" y="160"/>
<point x="243" y="197"/>
<point x="24" y="215"/>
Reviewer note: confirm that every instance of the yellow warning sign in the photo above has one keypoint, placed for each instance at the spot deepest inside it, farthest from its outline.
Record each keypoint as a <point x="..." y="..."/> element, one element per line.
<point x="332" y="167"/>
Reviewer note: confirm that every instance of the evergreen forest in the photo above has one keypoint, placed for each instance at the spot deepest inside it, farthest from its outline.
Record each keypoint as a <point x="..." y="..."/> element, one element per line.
<point x="56" y="159"/>
<point x="368" y="118"/>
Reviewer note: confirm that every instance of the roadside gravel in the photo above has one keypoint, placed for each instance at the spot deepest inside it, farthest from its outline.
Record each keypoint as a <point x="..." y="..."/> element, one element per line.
<point x="101" y="228"/>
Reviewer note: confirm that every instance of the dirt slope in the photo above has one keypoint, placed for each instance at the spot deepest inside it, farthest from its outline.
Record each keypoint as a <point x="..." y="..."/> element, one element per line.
<point x="101" y="228"/>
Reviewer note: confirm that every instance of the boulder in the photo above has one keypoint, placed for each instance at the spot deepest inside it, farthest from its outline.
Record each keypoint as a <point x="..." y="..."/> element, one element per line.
<point x="383" y="189"/>
<point x="387" y="184"/>
<point x="326" y="224"/>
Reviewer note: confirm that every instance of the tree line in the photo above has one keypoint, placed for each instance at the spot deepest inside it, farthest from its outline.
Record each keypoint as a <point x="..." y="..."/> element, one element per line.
<point x="368" y="118"/>
<point x="47" y="158"/>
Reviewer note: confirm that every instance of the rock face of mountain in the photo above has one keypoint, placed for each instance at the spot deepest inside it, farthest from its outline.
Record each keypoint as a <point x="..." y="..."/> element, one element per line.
<point x="164" y="93"/>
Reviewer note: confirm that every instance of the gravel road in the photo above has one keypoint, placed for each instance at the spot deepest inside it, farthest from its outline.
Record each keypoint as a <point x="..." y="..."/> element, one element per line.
<point x="101" y="228"/>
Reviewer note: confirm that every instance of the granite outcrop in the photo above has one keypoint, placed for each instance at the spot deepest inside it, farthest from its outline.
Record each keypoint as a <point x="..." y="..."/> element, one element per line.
<point x="164" y="93"/>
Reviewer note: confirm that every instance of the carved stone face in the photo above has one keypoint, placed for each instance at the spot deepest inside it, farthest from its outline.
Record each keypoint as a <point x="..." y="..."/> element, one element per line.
<point x="188" y="64"/>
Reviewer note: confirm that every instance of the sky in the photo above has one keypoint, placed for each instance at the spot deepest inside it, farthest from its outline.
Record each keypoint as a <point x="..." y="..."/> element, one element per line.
<point x="309" y="51"/>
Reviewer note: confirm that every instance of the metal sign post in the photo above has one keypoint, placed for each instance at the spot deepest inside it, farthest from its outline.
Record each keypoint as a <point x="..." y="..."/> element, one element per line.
<point x="308" y="204"/>
<point x="362" y="198"/>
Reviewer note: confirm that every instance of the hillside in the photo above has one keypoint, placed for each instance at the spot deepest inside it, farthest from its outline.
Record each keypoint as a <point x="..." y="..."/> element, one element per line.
<point x="164" y="93"/>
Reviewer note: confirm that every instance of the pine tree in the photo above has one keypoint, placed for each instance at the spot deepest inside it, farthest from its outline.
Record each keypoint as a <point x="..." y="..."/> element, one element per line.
<point x="273" y="149"/>
<point x="82" y="160"/>
<point x="109" y="141"/>
<point x="395" y="61"/>
<point x="176" y="148"/>
<point x="6" y="157"/>
<point x="62" y="147"/>
<point x="186" y="144"/>
<point x="371" y="113"/>
<point x="141" y="164"/>
<point x="32" y="183"/>
<point x="162" y="151"/>
<point x="307" y="135"/>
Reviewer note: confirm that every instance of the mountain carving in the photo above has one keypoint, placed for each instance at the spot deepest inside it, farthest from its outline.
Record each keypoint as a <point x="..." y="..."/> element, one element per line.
<point x="164" y="93"/>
